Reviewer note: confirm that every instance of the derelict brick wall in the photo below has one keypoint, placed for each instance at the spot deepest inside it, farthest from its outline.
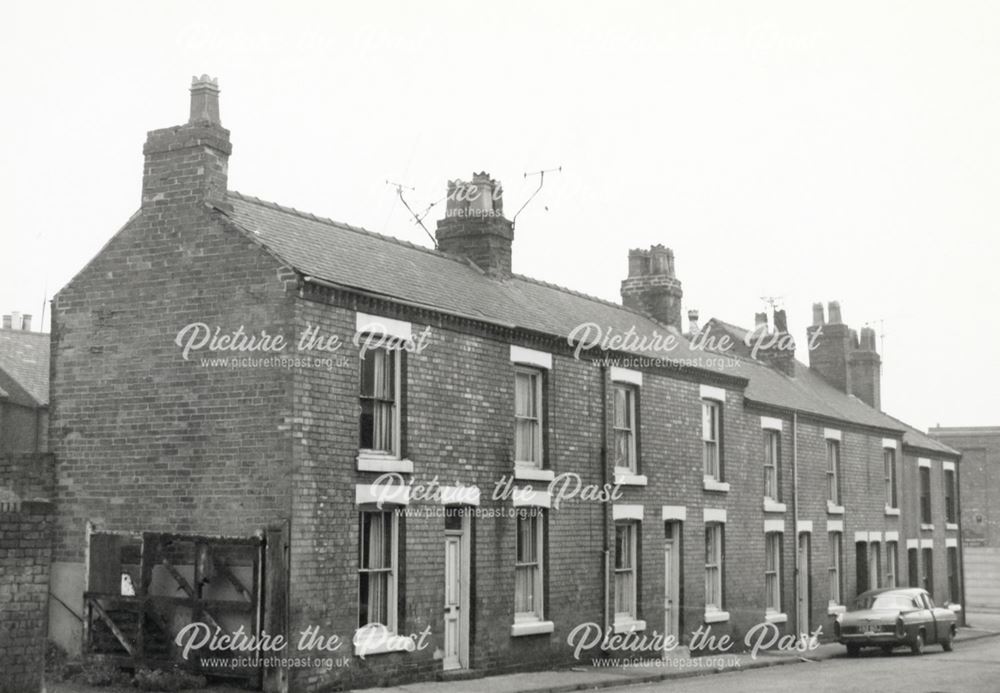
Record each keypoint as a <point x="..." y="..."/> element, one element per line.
<point x="145" y="439"/>
<point x="25" y="550"/>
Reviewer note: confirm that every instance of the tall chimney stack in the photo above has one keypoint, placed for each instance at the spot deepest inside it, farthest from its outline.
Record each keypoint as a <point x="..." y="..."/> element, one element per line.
<point x="474" y="226"/>
<point x="651" y="286"/>
<point x="188" y="164"/>
<point x="865" y="366"/>
<point x="777" y="348"/>
<point x="828" y="349"/>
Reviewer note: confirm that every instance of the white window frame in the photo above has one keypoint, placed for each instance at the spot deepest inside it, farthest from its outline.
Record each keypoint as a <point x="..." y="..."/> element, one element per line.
<point x="392" y="572"/>
<point x="890" y="477"/>
<point x="537" y="614"/>
<point x="772" y="592"/>
<point x="375" y="454"/>
<point x="539" y="447"/>
<point x="629" y="619"/>
<point x="711" y="445"/>
<point x="713" y="571"/>
<point x="835" y="544"/>
<point x="833" y="471"/>
<point x="632" y="460"/>
<point x="772" y="459"/>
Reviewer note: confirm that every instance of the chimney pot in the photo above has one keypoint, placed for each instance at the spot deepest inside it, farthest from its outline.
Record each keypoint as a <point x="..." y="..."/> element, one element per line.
<point x="833" y="311"/>
<point x="6" y="322"/>
<point x="818" y="317"/>
<point x="780" y="321"/>
<point x="26" y="322"/>
<point x="205" y="100"/>
<point x="760" y="320"/>
<point x="693" y="321"/>
<point x="15" y="317"/>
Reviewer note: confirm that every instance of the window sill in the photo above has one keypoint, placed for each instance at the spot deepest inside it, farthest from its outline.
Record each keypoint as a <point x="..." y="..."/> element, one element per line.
<point x="926" y="527"/>
<point x="833" y="509"/>
<point x="533" y="473"/>
<point x="625" y="477"/>
<point x="775" y="617"/>
<point x="773" y="506"/>
<point x="713" y="484"/>
<point x="951" y="526"/>
<point x="372" y="461"/>
<point x="531" y="628"/>
<point x="716" y="616"/>
<point x="835" y="609"/>
<point x="629" y="626"/>
<point x="891" y="511"/>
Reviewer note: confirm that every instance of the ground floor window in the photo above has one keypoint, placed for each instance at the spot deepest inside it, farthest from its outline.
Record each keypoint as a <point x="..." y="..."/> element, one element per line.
<point x="927" y="575"/>
<point x="530" y="551"/>
<point x="913" y="567"/>
<point x="890" y="564"/>
<point x="713" y="566"/>
<point x="772" y="571"/>
<point x="625" y="571"/>
<point x="377" y="569"/>
<point x="834" y="570"/>
<point x="954" y="593"/>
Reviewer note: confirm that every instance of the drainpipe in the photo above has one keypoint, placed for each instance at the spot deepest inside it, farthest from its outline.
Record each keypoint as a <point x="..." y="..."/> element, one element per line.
<point x="606" y="552"/>
<point x="795" y="514"/>
<point x="961" y="543"/>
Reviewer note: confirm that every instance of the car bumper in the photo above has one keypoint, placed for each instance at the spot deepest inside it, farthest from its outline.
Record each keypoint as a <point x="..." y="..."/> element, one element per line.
<point x="871" y="639"/>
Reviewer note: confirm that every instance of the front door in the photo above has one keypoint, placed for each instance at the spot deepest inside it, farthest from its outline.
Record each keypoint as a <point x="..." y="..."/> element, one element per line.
<point x="803" y="585"/>
<point x="456" y="590"/>
<point x="671" y="584"/>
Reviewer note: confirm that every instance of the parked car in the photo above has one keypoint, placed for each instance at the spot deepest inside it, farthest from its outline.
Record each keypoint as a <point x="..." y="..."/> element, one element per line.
<point x="894" y="617"/>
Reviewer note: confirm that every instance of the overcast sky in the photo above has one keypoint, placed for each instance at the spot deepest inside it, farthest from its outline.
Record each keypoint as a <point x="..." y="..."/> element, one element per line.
<point x="843" y="150"/>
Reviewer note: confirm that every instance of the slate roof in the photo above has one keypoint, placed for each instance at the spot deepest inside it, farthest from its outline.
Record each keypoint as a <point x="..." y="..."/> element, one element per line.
<point x="354" y="258"/>
<point x="24" y="367"/>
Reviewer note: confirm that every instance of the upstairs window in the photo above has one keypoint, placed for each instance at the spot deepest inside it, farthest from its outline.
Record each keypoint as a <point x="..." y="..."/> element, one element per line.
<point x="889" y="464"/>
<point x="528" y="417"/>
<point x="710" y="420"/>
<point x="380" y="398"/>
<point x="925" y="495"/>
<point x="625" y="427"/>
<point x="772" y="446"/>
<point x="833" y="471"/>
<point x="950" y="511"/>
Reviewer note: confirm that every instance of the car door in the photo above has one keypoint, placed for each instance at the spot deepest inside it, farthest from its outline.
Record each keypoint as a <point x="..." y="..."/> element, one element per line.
<point x="932" y="624"/>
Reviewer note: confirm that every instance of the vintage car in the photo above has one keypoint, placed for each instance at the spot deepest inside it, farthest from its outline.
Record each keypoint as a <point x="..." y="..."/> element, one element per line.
<point x="894" y="617"/>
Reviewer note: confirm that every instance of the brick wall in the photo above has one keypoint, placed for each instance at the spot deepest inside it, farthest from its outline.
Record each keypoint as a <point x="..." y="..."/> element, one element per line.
<point x="25" y="551"/>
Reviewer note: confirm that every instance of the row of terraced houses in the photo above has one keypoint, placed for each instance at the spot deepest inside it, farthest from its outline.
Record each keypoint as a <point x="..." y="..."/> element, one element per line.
<point x="538" y="478"/>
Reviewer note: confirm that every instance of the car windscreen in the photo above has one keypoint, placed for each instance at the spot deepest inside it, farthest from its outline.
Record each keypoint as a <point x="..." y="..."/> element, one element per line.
<point x="896" y="602"/>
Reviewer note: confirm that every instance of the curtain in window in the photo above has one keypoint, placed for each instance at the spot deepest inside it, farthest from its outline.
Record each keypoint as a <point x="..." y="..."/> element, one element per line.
<point x="624" y="571"/>
<point x="526" y="417"/>
<point x="709" y="434"/>
<point x="771" y="584"/>
<point x="526" y="565"/>
<point x="835" y="567"/>
<point x="712" y="596"/>
<point x="376" y="567"/>
<point x="378" y="394"/>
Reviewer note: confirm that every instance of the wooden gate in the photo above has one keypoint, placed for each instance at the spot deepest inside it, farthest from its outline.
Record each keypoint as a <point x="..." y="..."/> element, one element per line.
<point x="142" y="590"/>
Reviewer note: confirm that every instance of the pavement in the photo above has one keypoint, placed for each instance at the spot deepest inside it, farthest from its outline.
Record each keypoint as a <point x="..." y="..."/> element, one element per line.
<point x="677" y="666"/>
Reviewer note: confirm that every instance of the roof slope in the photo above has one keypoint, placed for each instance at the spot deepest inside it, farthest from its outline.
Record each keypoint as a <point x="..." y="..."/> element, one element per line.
<point x="355" y="258"/>
<point x="24" y="360"/>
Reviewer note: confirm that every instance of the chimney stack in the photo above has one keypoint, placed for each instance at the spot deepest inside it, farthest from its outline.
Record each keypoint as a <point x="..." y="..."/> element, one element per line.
<point x="15" y="318"/>
<point x="188" y="164"/>
<point x="651" y="286"/>
<point x="865" y="367"/>
<point x="829" y="349"/>
<point x="777" y="347"/>
<point x="474" y="226"/>
<point x="26" y="322"/>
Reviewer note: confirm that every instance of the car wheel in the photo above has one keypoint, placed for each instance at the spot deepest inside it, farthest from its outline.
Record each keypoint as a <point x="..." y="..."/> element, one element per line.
<point x="853" y="650"/>
<point x="946" y="644"/>
<point x="887" y="649"/>
<point x="917" y="647"/>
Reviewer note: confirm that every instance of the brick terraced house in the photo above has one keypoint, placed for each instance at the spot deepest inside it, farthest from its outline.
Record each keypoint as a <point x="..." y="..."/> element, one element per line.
<point x="246" y="488"/>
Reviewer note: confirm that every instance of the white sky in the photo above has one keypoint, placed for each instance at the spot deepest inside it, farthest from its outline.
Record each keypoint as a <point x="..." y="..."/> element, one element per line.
<point x="843" y="150"/>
